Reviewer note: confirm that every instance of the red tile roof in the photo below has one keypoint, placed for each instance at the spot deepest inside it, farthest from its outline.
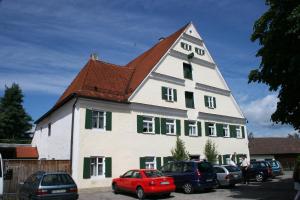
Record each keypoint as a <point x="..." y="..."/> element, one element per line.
<point x="259" y="146"/>
<point x="27" y="152"/>
<point x="102" y="80"/>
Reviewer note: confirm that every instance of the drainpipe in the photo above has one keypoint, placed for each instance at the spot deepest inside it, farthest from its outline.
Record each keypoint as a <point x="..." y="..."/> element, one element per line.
<point x="72" y="135"/>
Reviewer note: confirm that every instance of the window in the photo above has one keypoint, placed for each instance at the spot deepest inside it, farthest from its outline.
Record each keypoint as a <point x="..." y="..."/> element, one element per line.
<point x="199" y="51"/>
<point x="210" y="101"/>
<point x="186" y="46"/>
<point x="193" y="129"/>
<point x="148" y="124"/>
<point x="49" y="129"/>
<point x="187" y="71"/>
<point x="211" y="129"/>
<point x="97" y="166"/>
<point x="226" y="130"/>
<point x="169" y="94"/>
<point x="98" y="119"/>
<point x="170" y="127"/>
<point x="150" y="163"/>
<point x="189" y="99"/>
<point x="238" y="132"/>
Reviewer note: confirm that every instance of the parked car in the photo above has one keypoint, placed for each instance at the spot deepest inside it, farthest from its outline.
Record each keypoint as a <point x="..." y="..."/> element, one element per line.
<point x="276" y="167"/>
<point x="259" y="170"/>
<point x="191" y="175"/>
<point x="144" y="182"/>
<point x="48" y="185"/>
<point x="228" y="175"/>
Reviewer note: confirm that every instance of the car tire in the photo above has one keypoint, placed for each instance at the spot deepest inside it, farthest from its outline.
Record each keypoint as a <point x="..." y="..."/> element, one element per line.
<point x="188" y="188"/>
<point x="115" y="188"/>
<point x="259" y="177"/>
<point x="140" y="193"/>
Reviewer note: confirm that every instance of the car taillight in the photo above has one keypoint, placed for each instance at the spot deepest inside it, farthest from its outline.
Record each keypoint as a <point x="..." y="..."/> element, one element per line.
<point x="41" y="192"/>
<point x="73" y="190"/>
<point x="151" y="183"/>
<point x="198" y="172"/>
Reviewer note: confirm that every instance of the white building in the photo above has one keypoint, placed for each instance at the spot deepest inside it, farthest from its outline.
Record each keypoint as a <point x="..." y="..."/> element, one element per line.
<point x="114" y="118"/>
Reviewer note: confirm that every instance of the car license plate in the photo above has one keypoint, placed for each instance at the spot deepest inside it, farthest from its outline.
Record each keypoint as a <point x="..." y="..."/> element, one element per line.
<point x="209" y="180"/>
<point x="165" y="183"/>
<point x="58" y="191"/>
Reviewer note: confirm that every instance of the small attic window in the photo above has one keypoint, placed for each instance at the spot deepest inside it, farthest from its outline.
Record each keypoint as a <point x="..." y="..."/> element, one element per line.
<point x="186" y="46"/>
<point x="191" y="31"/>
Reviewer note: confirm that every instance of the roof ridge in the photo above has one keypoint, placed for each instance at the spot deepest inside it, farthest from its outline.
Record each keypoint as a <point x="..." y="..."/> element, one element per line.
<point x="105" y="62"/>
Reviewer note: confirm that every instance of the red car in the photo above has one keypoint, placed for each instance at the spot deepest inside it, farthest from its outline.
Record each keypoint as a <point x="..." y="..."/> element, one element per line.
<point x="144" y="182"/>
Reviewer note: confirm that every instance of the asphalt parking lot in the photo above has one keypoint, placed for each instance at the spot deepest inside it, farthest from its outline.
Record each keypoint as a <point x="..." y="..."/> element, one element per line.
<point x="275" y="189"/>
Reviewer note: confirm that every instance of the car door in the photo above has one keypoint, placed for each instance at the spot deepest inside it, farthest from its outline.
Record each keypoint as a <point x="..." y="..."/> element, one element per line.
<point x="221" y="174"/>
<point x="124" y="183"/>
<point x="134" y="181"/>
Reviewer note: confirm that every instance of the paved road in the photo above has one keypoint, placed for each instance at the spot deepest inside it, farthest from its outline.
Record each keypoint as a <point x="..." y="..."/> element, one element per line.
<point x="276" y="189"/>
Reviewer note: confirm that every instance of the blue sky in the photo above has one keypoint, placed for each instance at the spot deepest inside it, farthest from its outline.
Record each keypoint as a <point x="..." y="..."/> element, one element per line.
<point x="44" y="44"/>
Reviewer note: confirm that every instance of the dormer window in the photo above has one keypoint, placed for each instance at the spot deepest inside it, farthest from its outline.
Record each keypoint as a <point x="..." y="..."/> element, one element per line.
<point x="186" y="46"/>
<point x="199" y="51"/>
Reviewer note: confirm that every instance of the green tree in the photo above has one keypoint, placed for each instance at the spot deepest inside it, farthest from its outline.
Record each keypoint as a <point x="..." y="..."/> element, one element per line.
<point x="210" y="151"/>
<point x="179" y="152"/>
<point x="14" y="121"/>
<point x="278" y="33"/>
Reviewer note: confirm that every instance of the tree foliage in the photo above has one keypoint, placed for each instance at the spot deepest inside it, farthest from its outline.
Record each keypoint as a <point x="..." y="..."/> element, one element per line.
<point x="210" y="151"/>
<point x="278" y="33"/>
<point x="14" y="121"/>
<point x="179" y="153"/>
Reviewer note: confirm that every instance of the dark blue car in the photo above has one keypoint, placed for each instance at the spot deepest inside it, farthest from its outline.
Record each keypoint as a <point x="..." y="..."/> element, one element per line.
<point x="276" y="167"/>
<point x="191" y="175"/>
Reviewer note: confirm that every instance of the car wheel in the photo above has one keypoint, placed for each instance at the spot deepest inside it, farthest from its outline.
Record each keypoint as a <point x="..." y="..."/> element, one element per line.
<point x="140" y="193"/>
<point x="187" y="188"/>
<point x="115" y="188"/>
<point x="259" y="178"/>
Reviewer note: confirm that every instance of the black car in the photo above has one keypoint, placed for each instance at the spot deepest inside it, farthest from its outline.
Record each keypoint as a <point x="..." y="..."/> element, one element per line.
<point x="191" y="175"/>
<point x="46" y="185"/>
<point x="259" y="170"/>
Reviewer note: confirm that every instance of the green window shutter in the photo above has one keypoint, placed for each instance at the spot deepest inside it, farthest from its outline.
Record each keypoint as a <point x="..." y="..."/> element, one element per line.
<point x="234" y="158"/>
<point x="163" y="126"/>
<point x="108" y="167"/>
<point x="139" y="124"/>
<point x="178" y="127"/>
<point x="142" y="162"/>
<point x="108" y="121"/>
<point x="220" y="130"/>
<point x="88" y="119"/>
<point x="158" y="163"/>
<point x="86" y="168"/>
<point x="157" y="125"/>
<point x="232" y="129"/>
<point x="164" y="93"/>
<point x="215" y="103"/>
<point x="175" y="94"/>
<point x="206" y="128"/>
<point x="243" y="131"/>
<point x="199" y="128"/>
<point x="186" y="127"/>
<point x="206" y="101"/>
<point x="220" y="159"/>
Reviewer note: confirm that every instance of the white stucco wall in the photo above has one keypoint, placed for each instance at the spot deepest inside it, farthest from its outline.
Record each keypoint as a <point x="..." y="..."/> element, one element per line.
<point x="57" y="145"/>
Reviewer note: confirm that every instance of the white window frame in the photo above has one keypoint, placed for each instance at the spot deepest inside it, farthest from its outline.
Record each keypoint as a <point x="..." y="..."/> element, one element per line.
<point x="210" y="100"/>
<point x="238" y="132"/>
<point x="149" y="163"/>
<point x="212" y="126"/>
<point x="226" y="130"/>
<point x="148" y="122"/>
<point x="170" y="94"/>
<point x="193" y="126"/>
<point x="170" y="124"/>
<point x="98" y="123"/>
<point x="199" y="51"/>
<point x="186" y="46"/>
<point x="96" y="167"/>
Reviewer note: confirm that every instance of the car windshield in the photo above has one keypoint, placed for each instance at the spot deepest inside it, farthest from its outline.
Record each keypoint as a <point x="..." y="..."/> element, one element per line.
<point x="232" y="168"/>
<point x="57" y="179"/>
<point x="153" y="173"/>
<point x="205" y="167"/>
<point x="274" y="164"/>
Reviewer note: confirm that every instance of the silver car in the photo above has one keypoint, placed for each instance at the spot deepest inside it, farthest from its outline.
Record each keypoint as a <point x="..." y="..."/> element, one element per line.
<point x="46" y="185"/>
<point x="228" y="175"/>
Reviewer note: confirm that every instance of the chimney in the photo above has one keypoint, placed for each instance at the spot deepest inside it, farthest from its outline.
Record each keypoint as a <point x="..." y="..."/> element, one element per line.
<point x="94" y="56"/>
<point x="161" y="39"/>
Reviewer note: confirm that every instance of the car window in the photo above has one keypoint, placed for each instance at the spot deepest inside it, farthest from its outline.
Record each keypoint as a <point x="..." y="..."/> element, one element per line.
<point x="34" y="179"/>
<point x="219" y="170"/>
<point x="176" y="167"/>
<point x="128" y="174"/>
<point x="262" y="164"/>
<point x="51" y="180"/>
<point x="205" y="167"/>
<point x="188" y="167"/>
<point x="232" y="168"/>
<point x="136" y="174"/>
<point x="166" y="168"/>
<point x="66" y="179"/>
<point x="153" y="173"/>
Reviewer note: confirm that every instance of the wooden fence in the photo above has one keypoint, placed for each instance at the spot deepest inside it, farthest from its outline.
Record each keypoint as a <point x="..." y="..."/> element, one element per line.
<point x="17" y="171"/>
